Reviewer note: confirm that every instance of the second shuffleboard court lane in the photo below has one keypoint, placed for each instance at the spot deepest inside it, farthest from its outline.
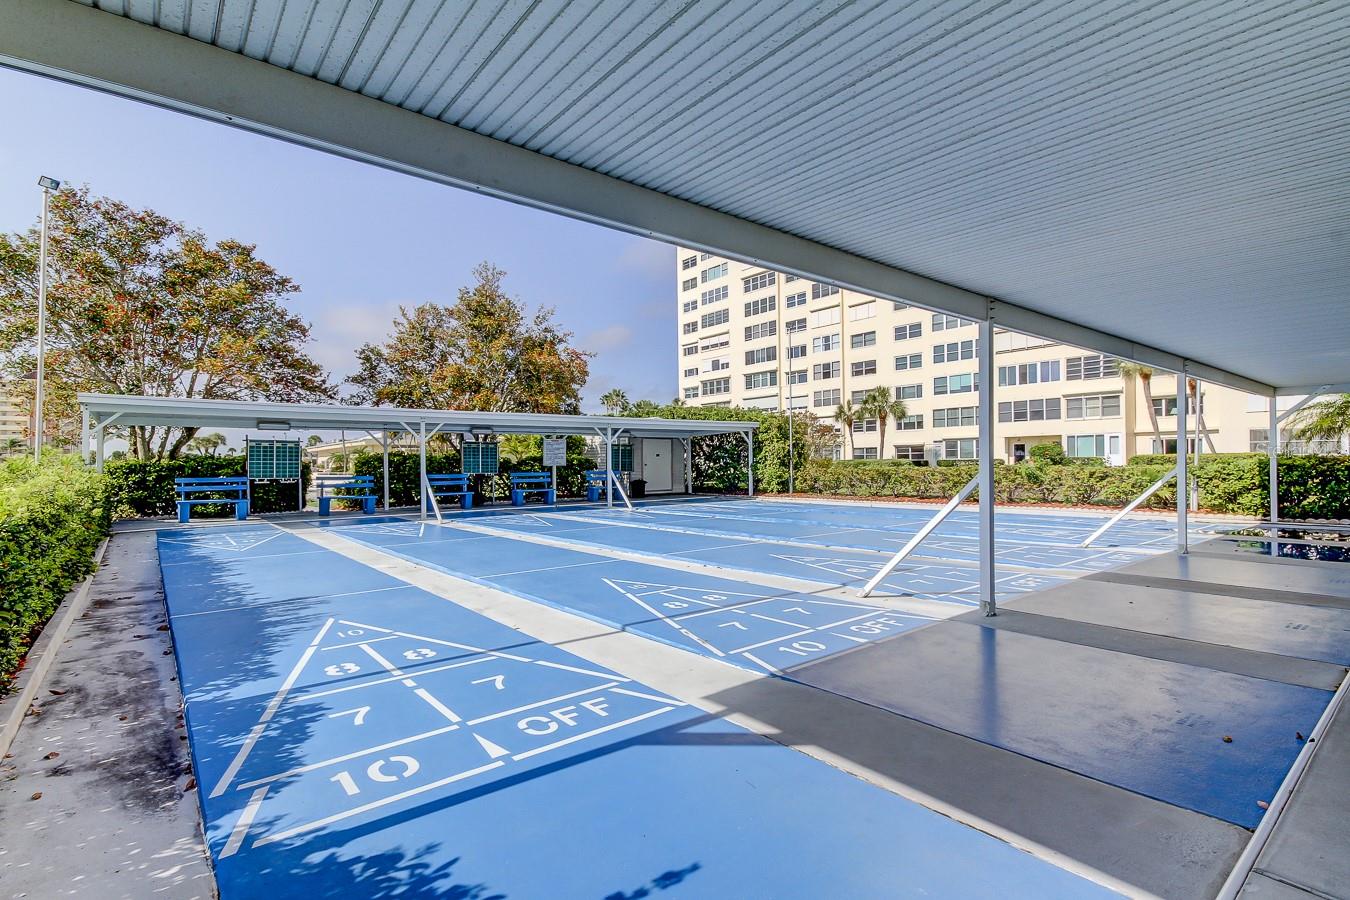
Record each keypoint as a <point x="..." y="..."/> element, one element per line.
<point x="362" y="735"/>
<point x="762" y="629"/>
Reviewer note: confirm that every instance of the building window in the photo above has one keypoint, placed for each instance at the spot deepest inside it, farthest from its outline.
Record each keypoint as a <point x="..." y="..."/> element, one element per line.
<point x="691" y="373"/>
<point x="955" y="351"/>
<point x="712" y="273"/>
<point x="761" y="306"/>
<point x="720" y="317"/>
<point x="911" y="452"/>
<point x="911" y="361"/>
<point x="756" y="380"/>
<point x="862" y="311"/>
<point x="823" y="290"/>
<point x="1092" y="406"/>
<point x="716" y="295"/>
<point x="704" y="257"/>
<point x="954" y="416"/>
<point x="716" y="343"/>
<point x="911" y="423"/>
<point x="689" y="306"/>
<point x="1258" y="440"/>
<point x="761" y="355"/>
<point x="759" y="282"/>
<point x="797" y="376"/>
<point x="905" y="332"/>
<point x="863" y="367"/>
<point x="866" y="339"/>
<point x="909" y="392"/>
<point x="864" y="426"/>
<point x="689" y="284"/>
<point x="823" y="317"/>
<point x="960" y="448"/>
<point x="1167" y="406"/>
<point x="857" y="397"/>
<point x="1084" y="368"/>
<point x="688" y="262"/>
<point x="1028" y="373"/>
<point x="796" y="351"/>
<point x="1028" y="410"/>
<point x="718" y="363"/>
<point x="689" y="349"/>
<point x="825" y="343"/>
<point x="690" y="393"/>
<point x="943" y="322"/>
<point x="956" y="384"/>
<point x="794" y="300"/>
<point x="826" y="398"/>
<point x="761" y="330"/>
<point x="788" y="279"/>
<point x="690" y="327"/>
<point x="896" y="305"/>
<point x="716" y="386"/>
<point x="1085" y="445"/>
<point x="795" y="325"/>
<point x="825" y="370"/>
<point x="864" y="452"/>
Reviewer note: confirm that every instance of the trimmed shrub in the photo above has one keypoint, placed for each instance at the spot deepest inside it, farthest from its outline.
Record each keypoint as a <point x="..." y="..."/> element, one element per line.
<point x="145" y="487"/>
<point x="52" y="517"/>
<point x="1048" y="453"/>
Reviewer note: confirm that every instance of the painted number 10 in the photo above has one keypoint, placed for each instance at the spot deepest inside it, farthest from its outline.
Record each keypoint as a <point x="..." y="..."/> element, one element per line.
<point x="376" y="771"/>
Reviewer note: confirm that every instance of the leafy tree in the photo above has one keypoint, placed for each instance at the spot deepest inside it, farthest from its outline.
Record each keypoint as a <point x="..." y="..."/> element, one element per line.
<point x="1048" y="453"/>
<point x="12" y="447"/>
<point x="483" y="352"/>
<point x="846" y="415"/>
<point x="207" y="444"/>
<point x="1326" y="420"/>
<point x="140" y="304"/>
<point x="879" y="404"/>
<point x="313" y="440"/>
<point x="614" y="400"/>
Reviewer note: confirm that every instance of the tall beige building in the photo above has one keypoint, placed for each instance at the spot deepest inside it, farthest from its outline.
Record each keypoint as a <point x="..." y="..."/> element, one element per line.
<point x="754" y="338"/>
<point x="12" y="421"/>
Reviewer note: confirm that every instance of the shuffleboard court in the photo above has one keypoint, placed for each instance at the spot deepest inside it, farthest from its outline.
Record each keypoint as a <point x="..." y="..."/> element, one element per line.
<point x="757" y="628"/>
<point x="393" y="742"/>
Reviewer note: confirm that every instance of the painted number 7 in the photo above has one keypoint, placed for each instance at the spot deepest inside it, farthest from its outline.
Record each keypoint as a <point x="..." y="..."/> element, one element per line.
<point x="499" y="681"/>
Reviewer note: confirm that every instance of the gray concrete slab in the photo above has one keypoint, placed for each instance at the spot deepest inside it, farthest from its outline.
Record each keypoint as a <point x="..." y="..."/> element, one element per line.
<point x="1309" y="673"/>
<point x="107" y="755"/>
<point x="1310" y="844"/>
<point x="1251" y="573"/>
<point x="1220" y="589"/>
<point x="1259" y="887"/>
<point x="1286" y="629"/>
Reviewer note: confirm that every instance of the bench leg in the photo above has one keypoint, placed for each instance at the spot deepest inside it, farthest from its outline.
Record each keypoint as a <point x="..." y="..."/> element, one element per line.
<point x="551" y="497"/>
<point x="368" y="504"/>
<point x="466" y="502"/>
<point x="517" y="498"/>
<point x="325" y="505"/>
<point x="184" y="510"/>
<point x="241" y="509"/>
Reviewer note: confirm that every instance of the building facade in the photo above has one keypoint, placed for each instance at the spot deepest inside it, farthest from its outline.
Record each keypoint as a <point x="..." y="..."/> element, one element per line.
<point x="13" y="423"/>
<point x="759" y="339"/>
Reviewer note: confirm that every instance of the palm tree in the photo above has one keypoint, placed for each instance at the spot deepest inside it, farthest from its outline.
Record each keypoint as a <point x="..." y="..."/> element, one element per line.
<point x="614" y="400"/>
<point x="845" y="415"/>
<point x="1324" y="420"/>
<point x="880" y="405"/>
<point x="207" y="444"/>
<point x="1130" y="370"/>
<point x="12" y="447"/>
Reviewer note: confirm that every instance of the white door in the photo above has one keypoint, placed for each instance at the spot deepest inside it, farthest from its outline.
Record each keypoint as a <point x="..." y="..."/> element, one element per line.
<point x="1115" y="455"/>
<point x="656" y="465"/>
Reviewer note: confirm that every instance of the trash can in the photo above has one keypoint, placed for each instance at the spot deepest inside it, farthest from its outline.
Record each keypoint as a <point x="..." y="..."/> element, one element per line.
<point x="637" y="488"/>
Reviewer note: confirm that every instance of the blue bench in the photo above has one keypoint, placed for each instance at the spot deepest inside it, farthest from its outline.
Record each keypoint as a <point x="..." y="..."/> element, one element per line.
<point x="456" y="485"/>
<point x="187" y="487"/>
<point x="347" y="484"/>
<point x="523" y="483"/>
<point x="595" y="484"/>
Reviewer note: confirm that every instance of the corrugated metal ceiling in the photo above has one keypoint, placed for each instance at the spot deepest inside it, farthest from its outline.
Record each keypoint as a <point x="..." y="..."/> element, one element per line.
<point x="1177" y="172"/>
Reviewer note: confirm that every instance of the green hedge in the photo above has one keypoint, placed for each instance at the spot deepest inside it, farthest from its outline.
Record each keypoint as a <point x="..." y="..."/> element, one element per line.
<point x="404" y="470"/>
<point x="1311" y="487"/>
<point x="145" y="487"/>
<point x="51" y="520"/>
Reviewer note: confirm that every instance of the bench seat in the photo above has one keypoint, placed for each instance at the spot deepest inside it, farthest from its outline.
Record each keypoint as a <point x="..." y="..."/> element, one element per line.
<point x="186" y="487"/>
<point x="523" y="483"/>
<point x="356" y="483"/>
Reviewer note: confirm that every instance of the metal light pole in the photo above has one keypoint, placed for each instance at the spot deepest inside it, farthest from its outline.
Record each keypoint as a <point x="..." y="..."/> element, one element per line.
<point x="48" y="185"/>
<point x="792" y="444"/>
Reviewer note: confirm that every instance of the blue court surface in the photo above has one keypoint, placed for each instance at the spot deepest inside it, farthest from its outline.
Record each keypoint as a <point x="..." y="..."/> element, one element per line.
<point x="758" y="628"/>
<point x="356" y="736"/>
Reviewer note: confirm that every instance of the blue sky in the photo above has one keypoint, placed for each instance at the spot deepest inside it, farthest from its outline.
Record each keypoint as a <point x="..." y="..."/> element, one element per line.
<point x="359" y="240"/>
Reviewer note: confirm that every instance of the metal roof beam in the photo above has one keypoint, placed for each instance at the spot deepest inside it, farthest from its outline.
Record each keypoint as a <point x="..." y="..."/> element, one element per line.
<point x="83" y="45"/>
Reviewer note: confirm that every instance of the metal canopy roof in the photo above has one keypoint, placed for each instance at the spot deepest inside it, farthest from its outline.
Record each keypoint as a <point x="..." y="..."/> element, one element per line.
<point x="1168" y="182"/>
<point x="248" y="414"/>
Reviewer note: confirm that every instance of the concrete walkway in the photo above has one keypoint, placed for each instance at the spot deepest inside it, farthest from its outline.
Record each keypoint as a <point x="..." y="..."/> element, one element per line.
<point x="94" y="796"/>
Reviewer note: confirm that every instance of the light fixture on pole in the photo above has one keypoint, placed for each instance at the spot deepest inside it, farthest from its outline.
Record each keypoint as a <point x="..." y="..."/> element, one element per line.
<point x="48" y="185"/>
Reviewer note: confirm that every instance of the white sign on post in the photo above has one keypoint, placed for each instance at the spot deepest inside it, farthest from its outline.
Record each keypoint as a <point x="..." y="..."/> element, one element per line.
<point x="555" y="451"/>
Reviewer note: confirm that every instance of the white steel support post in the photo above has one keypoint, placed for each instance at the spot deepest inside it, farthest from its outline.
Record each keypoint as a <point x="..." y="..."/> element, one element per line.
<point x="422" y="497"/>
<point x="1273" y="449"/>
<point x="100" y="434"/>
<point x="84" y="436"/>
<point x="384" y="451"/>
<point x="609" y="467"/>
<point x="750" y="460"/>
<point x="985" y="357"/>
<point x="688" y="465"/>
<point x="1183" y="477"/>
